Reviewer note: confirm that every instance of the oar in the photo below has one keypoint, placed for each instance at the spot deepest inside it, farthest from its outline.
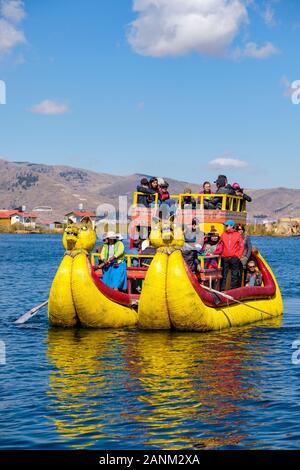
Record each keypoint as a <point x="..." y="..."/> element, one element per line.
<point x="26" y="316"/>
<point x="226" y="296"/>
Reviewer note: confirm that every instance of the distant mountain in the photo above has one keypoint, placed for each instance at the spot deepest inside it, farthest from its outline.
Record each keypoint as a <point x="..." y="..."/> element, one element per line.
<point x="63" y="188"/>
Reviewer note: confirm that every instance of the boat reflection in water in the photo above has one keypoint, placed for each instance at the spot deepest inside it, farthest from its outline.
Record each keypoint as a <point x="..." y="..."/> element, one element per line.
<point x="168" y="390"/>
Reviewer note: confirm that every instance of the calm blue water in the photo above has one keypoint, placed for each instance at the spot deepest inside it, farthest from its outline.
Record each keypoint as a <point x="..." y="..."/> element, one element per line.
<point x="80" y="389"/>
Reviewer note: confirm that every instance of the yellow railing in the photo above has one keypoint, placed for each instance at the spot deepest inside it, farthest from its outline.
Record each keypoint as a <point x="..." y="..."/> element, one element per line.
<point x="137" y="194"/>
<point x="129" y="258"/>
<point x="228" y="202"/>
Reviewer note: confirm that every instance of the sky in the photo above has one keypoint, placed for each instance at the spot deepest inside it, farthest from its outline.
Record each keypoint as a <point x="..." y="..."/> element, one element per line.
<point x="182" y="88"/>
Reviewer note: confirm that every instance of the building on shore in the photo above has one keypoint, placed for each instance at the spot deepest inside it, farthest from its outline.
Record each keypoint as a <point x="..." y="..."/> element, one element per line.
<point x="50" y="225"/>
<point x="11" y="217"/>
<point x="77" y="215"/>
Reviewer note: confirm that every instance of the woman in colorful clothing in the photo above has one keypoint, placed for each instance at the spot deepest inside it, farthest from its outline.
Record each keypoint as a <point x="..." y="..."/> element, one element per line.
<point x="113" y="257"/>
<point x="211" y="247"/>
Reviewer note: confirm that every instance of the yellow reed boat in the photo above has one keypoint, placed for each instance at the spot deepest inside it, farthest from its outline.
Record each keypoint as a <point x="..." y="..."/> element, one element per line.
<point x="171" y="296"/>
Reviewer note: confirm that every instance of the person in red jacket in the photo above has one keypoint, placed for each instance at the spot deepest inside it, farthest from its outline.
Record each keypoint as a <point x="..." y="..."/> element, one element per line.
<point x="232" y="251"/>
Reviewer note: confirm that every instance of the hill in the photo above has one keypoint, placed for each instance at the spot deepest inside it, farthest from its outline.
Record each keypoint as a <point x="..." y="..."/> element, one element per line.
<point x="63" y="188"/>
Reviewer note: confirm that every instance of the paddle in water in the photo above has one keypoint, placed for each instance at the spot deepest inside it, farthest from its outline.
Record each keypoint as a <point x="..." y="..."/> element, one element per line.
<point x="26" y="316"/>
<point x="229" y="297"/>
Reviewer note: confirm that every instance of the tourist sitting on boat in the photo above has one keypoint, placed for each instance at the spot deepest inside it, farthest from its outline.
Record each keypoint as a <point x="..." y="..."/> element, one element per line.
<point x="147" y="190"/>
<point x="206" y="188"/>
<point x="211" y="247"/>
<point x="232" y="251"/>
<point x="254" y="276"/>
<point x="163" y="193"/>
<point x="165" y="201"/>
<point x="240" y="192"/>
<point x="153" y="185"/>
<point x="114" y="265"/>
<point x="188" y="202"/>
<point x="222" y="188"/>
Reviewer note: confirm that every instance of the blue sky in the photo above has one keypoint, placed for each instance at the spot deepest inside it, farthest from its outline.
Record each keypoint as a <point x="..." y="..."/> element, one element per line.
<point x="182" y="88"/>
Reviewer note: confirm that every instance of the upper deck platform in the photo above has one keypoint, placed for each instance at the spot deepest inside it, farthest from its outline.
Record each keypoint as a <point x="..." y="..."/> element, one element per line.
<point x="228" y="207"/>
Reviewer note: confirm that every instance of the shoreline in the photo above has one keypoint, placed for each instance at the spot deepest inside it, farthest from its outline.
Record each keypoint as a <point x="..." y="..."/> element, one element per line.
<point x="54" y="232"/>
<point x="32" y="232"/>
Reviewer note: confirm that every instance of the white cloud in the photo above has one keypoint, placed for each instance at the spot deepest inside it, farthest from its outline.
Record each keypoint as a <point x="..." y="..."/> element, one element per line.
<point x="177" y="27"/>
<point x="49" y="107"/>
<point x="268" y="15"/>
<point x="13" y="10"/>
<point x="11" y="13"/>
<point x="228" y="163"/>
<point x="265" y="9"/>
<point x="10" y="37"/>
<point x="253" y="51"/>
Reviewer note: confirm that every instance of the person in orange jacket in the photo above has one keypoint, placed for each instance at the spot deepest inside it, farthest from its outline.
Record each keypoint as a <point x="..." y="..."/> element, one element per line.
<point x="232" y="246"/>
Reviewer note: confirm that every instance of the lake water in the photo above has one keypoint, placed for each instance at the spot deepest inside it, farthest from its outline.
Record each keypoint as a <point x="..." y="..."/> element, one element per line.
<point x="88" y="389"/>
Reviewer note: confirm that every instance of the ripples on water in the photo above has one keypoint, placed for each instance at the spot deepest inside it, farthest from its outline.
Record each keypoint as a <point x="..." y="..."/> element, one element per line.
<point x="143" y="390"/>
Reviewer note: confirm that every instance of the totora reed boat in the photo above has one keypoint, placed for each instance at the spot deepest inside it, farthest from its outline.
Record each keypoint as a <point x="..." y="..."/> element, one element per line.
<point x="163" y="293"/>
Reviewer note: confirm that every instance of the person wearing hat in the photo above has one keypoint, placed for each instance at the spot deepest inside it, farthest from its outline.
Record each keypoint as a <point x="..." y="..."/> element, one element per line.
<point x="222" y="188"/>
<point x="168" y="204"/>
<point x="240" y="192"/>
<point x="211" y="247"/>
<point x="114" y="265"/>
<point x="232" y="252"/>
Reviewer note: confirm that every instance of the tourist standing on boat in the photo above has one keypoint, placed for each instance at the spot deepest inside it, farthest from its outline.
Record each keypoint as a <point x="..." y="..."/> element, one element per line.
<point x="193" y="233"/>
<point x="232" y="252"/>
<point x="189" y="251"/>
<point x="113" y="257"/>
<point x="247" y="250"/>
<point x="247" y="245"/>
